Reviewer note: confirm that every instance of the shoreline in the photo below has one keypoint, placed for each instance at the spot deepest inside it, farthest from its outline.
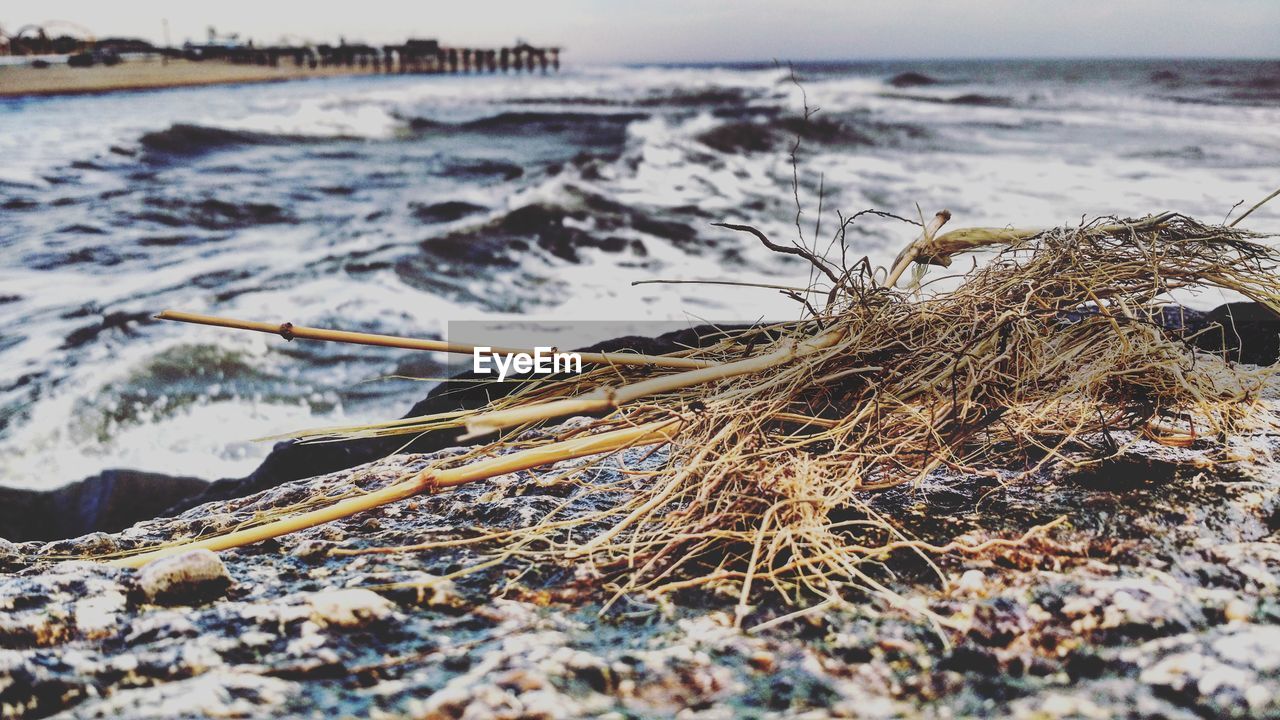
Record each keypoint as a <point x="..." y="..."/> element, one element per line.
<point x="135" y="75"/>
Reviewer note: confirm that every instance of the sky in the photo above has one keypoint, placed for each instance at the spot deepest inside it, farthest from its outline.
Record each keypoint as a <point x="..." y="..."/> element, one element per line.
<point x="611" y="31"/>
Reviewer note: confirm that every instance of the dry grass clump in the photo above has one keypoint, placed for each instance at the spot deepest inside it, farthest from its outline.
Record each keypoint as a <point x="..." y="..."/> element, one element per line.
<point x="774" y="446"/>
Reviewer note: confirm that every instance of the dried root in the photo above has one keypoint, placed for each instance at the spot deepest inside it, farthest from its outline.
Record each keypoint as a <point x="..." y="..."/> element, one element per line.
<point x="1057" y="339"/>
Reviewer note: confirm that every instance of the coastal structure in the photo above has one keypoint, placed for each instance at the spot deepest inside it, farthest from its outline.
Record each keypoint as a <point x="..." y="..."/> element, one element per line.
<point x="412" y="55"/>
<point x="50" y="37"/>
<point x="52" y="58"/>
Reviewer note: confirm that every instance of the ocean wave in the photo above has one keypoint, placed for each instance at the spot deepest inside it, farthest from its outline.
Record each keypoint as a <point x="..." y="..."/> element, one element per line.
<point x="839" y="130"/>
<point x="477" y="264"/>
<point x="1251" y="82"/>
<point x="524" y="260"/>
<point x="481" y="169"/>
<point x="211" y="213"/>
<point x="98" y="256"/>
<point x="119" y="322"/>
<point x="533" y="122"/>
<point x="189" y="139"/>
<point x="911" y="79"/>
<point x="186" y="139"/>
<point x="399" y="203"/>
<point x="679" y="98"/>
<point x="558" y="230"/>
<point x="970" y="99"/>
<point x="443" y="212"/>
<point x="19" y="203"/>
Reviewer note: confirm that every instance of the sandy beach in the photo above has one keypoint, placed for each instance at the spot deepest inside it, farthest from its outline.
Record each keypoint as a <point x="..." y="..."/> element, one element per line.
<point x="150" y="74"/>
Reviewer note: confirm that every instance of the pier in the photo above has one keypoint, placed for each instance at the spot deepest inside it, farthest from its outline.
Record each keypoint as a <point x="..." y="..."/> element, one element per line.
<point x="64" y="58"/>
<point x="411" y="56"/>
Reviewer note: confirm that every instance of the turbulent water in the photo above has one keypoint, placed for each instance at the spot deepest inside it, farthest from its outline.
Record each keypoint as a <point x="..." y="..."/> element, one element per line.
<point x="398" y="204"/>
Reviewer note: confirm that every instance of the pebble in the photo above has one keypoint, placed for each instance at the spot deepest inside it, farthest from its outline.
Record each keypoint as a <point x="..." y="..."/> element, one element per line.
<point x="971" y="582"/>
<point x="1238" y="611"/>
<point x="192" y="577"/>
<point x="763" y="661"/>
<point x="352" y="607"/>
<point x="311" y="550"/>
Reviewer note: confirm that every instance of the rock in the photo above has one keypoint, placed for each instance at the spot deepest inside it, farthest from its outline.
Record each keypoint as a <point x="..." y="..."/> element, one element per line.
<point x="1157" y="597"/>
<point x="1233" y="675"/>
<point x="1247" y="332"/>
<point x="311" y="549"/>
<point x="971" y="582"/>
<point x="99" y="615"/>
<point x="1237" y="610"/>
<point x="763" y="660"/>
<point x="9" y="553"/>
<point x="107" y="502"/>
<point x="217" y="694"/>
<point x="189" y="578"/>
<point x="349" y="608"/>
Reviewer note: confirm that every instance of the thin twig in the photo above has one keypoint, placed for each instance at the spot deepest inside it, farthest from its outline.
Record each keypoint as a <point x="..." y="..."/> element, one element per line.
<point x="1249" y="212"/>
<point x="289" y="331"/>
<point x="817" y="262"/>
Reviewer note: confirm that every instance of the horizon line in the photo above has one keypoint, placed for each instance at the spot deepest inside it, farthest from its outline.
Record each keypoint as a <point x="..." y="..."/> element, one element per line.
<point x="933" y="58"/>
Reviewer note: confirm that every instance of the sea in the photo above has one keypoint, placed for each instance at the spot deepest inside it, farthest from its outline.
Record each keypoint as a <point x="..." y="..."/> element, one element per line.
<point x="400" y="204"/>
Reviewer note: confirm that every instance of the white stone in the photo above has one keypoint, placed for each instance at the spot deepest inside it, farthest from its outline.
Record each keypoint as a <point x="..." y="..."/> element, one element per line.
<point x="349" y="608"/>
<point x="971" y="582"/>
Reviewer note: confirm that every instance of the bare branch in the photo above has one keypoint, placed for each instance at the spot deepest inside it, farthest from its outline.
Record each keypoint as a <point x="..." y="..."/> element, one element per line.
<point x="817" y="262"/>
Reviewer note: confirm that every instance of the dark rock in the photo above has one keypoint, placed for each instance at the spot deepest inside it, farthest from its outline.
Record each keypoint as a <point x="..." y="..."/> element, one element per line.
<point x="109" y="501"/>
<point x="1247" y="332"/>
<point x="971" y="659"/>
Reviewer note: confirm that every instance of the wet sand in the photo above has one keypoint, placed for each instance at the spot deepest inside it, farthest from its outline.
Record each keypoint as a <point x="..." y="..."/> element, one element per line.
<point x="150" y="74"/>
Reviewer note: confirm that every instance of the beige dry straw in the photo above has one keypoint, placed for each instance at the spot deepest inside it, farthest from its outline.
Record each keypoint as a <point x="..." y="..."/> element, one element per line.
<point x="1052" y="352"/>
<point x="289" y="331"/>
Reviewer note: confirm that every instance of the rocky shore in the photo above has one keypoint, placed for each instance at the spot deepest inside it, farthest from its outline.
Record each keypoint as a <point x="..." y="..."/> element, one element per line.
<point x="1155" y="596"/>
